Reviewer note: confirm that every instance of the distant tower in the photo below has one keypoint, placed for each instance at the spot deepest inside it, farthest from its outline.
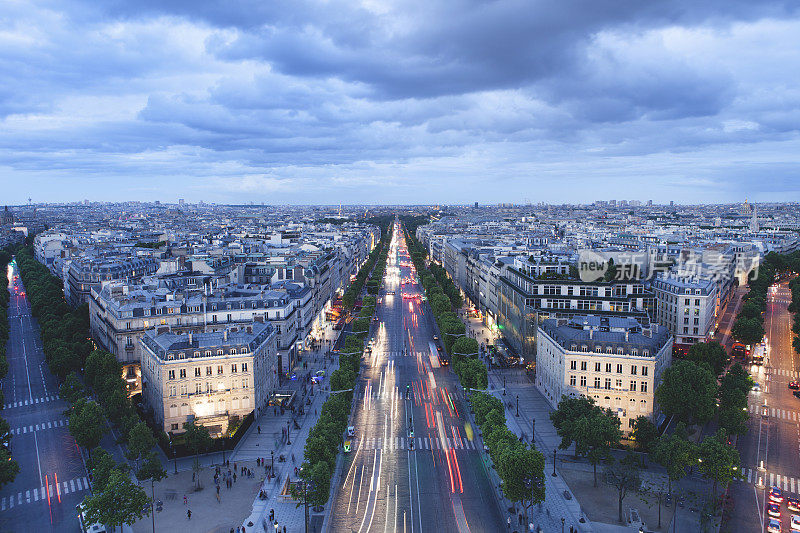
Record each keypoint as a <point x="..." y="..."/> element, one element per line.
<point x="754" y="220"/>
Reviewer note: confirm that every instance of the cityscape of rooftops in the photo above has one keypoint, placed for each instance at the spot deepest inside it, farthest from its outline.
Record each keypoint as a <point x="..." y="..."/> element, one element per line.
<point x="373" y="266"/>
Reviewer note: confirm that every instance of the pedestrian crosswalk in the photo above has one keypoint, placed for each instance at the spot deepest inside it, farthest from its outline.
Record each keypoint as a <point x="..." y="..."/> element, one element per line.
<point x="42" y="493"/>
<point x="420" y="443"/>
<point x="23" y="403"/>
<point x="783" y="372"/>
<point x="774" y="412"/>
<point x="38" y="427"/>
<point x="754" y="476"/>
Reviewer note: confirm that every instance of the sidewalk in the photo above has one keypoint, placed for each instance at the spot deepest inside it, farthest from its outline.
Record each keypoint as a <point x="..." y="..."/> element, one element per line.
<point x="255" y="445"/>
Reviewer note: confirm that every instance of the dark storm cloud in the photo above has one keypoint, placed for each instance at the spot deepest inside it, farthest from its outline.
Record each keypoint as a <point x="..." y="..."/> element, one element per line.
<point x="304" y="98"/>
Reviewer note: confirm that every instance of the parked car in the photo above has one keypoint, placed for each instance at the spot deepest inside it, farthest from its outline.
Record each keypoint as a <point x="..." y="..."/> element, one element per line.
<point x="774" y="510"/>
<point x="793" y="504"/>
<point x="775" y="495"/>
<point x="794" y="385"/>
<point x="773" y="526"/>
<point x="795" y="523"/>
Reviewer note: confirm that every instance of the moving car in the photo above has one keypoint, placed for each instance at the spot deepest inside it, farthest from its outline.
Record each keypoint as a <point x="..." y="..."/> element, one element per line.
<point x="795" y="523"/>
<point x="346" y="445"/>
<point x="793" y="504"/>
<point x="794" y="385"/>
<point x="351" y="431"/>
<point x="773" y="526"/>
<point x="756" y="388"/>
<point x="774" y="510"/>
<point x="775" y="495"/>
<point x="85" y="526"/>
<point x="796" y="393"/>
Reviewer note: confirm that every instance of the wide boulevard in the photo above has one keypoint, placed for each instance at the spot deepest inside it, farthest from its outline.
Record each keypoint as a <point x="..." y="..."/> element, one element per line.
<point x="415" y="463"/>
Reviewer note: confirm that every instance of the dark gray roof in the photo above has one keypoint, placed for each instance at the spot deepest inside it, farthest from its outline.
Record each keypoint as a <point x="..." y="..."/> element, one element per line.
<point x="568" y="334"/>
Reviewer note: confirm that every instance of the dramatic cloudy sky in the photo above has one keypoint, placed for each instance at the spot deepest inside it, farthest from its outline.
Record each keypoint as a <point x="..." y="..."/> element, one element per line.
<point x="303" y="101"/>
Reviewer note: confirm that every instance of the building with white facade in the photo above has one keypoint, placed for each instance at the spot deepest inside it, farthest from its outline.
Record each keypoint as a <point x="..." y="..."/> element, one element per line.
<point x="208" y="377"/>
<point x="687" y="307"/>
<point x="615" y="361"/>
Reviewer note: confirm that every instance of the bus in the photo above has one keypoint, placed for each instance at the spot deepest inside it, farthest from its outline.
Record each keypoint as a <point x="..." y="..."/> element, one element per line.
<point x="438" y="353"/>
<point x="757" y="357"/>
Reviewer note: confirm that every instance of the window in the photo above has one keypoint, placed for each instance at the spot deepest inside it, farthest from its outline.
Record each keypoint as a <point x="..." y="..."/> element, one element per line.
<point x="644" y="370"/>
<point x="608" y="367"/>
<point x="573" y="365"/>
<point x="697" y="301"/>
<point x="619" y="369"/>
<point x="244" y="383"/>
<point x="171" y="374"/>
<point x="633" y="370"/>
<point x="572" y="380"/>
<point x="233" y="368"/>
<point x="209" y="371"/>
<point x="197" y="372"/>
<point x="644" y="386"/>
<point x="583" y="381"/>
<point x="618" y="383"/>
<point x="184" y="390"/>
<point x="198" y="388"/>
<point x="596" y="383"/>
<point x="244" y="367"/>
<point x="220" y="352"/>
<point x="583" y="366"/>
<point x="597" y="367"/>
<point x="172" y="391"/>
<point x="183" y="373"/>
<point x="174" y="427"/>
<point x="687" y="301"/>
<point x="219" y="369"/>
<point x="633" y="386"/>
<point x="208" y="386"/>
<point x="608" y="383"/>
<point x="208" y="353"/>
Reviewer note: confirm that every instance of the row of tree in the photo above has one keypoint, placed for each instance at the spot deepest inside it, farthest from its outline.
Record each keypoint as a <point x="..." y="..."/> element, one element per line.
<point x="691" y="391"/>
<point x="8" y="467"/>
<point x="443" y="296"/>
<point x="64" y="330"/>
<point x="322" y="444"/>
<point x="520" y="466"/>
<point x="354" y="290"/>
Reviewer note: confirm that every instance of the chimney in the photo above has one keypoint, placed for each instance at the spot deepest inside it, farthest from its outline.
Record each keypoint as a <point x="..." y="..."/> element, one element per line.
<point x="591" y="333"/>
<point x="626" y="335"/>
<point x="225" y="335"/>
<point x="191" y="338"/>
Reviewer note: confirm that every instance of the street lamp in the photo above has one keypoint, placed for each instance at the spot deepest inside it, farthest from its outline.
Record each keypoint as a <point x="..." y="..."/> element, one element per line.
<point x="554" y="462"/>
<point x="504" y="385"/>
<point x="562" y="524"/>
<point x="517" y="405"/>
<point x="272" y="465"/>
<point x="288" y="439"/>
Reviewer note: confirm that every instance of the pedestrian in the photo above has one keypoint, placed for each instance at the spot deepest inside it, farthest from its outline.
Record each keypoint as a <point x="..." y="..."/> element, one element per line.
<point x="234" y="466"/>
<point x="508" y="522"/>
<point x="184" y="499"/>
<point x="217" y="489"/>
<point x="259" y="430"/>
<point x="218" y="500"/>
<point x="188" y="514"/>
<point x="284" y="529"/>
<point x="234" y="477"/>
<point x="521" y="521"/>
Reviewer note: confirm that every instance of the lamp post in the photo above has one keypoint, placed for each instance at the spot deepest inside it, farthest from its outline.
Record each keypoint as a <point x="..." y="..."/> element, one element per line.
<point x="288" y="439"/>
<point x="504" y="385"/>
<point x="517" y="405"/>
<point x="174" y="454"/>
<point x="562" y="524"/>
<point x="554" y="462"/>
<point x="272" y="465"/>
<point x="533" y="430"/>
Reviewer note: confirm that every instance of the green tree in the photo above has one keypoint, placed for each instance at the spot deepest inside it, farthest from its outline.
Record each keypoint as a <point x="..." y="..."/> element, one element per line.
<point x="675" y="454"/>
<point x="198" y="440"/>
<point x="594" y="436"/>
<point x="623" y="475"/>
<point x="121" y="502"/>
<point x="718" y="460"/>
<point x="72" y="389"/>
<point x="8" y="467"/>
<point x="748" y="330"/>
<point x="140" y="442"/>
<point x="709" y="352"/>
<point x="102" y="465"/>
<point x="569" y="410"/>
<point x="464" y="347"/>
<point x="87" y="424"/>
<point x="521" y="471"/>
<point x="153" y="470"/>
<point x="645" y="433"/>
<point x="688" y="391"/>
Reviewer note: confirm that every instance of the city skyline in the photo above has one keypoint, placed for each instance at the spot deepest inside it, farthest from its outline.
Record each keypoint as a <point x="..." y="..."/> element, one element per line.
<point x="381" y="103"/>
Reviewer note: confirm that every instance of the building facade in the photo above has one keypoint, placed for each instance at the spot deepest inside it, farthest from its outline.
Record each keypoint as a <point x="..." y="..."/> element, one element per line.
<point x="615" y="361"/>
<point x="209" y="377"/>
